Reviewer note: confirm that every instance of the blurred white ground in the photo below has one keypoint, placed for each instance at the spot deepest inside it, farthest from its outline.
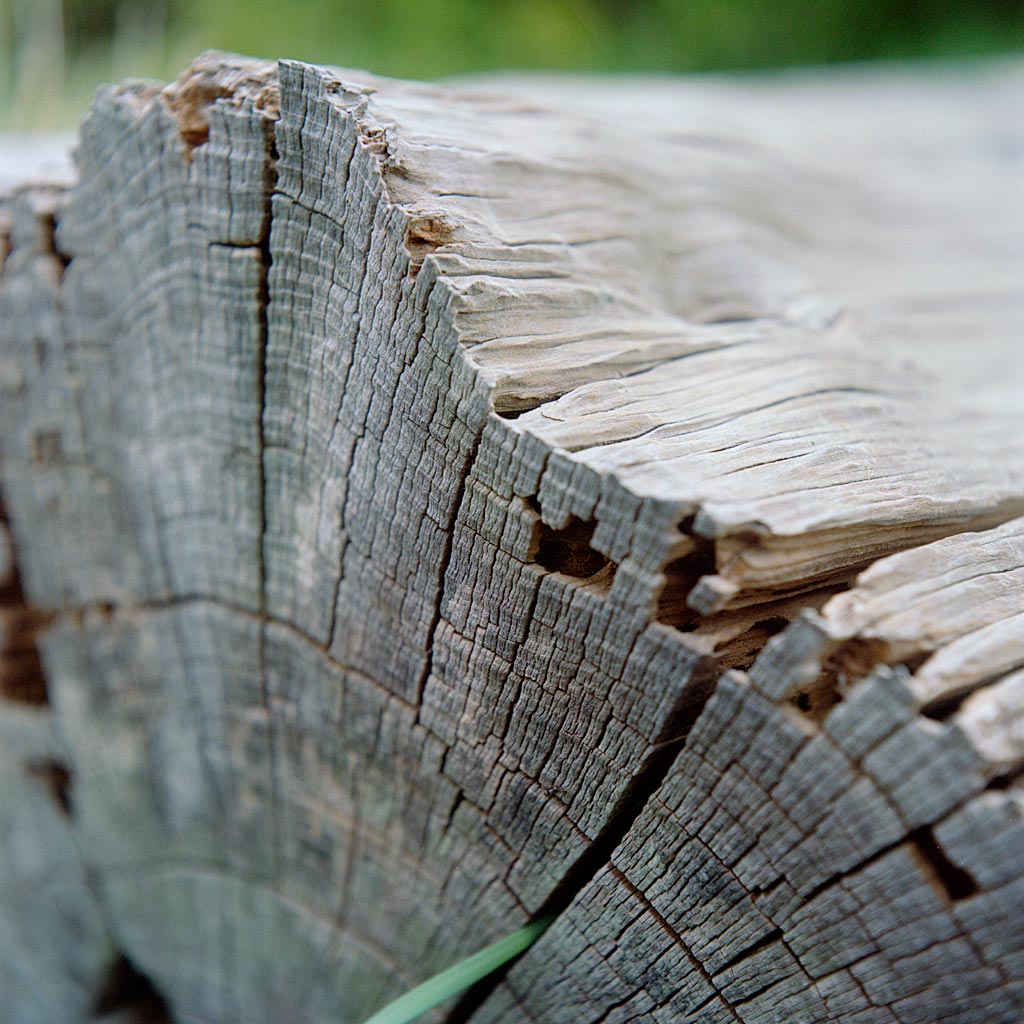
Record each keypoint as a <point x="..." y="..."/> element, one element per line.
<point x="28" y="157"/>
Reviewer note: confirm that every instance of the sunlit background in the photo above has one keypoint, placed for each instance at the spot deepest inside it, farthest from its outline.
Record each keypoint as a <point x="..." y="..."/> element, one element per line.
<point x="53" y="53"/>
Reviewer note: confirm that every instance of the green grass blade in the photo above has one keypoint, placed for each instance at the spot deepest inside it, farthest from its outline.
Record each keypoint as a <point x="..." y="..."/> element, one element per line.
<point x="458" y="978"/>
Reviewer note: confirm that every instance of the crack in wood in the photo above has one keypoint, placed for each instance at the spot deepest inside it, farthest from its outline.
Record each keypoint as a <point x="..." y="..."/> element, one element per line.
<point x="22" y="678"/>
<point x="127" y="996"/>
<point x="642" y="786"/>
<point x="57" y="780"/>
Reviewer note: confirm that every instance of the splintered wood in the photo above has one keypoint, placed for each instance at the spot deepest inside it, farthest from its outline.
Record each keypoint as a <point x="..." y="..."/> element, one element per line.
<point x="429" y="509"/>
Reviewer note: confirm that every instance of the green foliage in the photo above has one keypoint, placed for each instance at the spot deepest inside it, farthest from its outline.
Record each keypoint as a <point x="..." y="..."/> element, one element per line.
<point x="454" y="980"/>
<point x="52" y="62"/>
<point x="428" y="38"/>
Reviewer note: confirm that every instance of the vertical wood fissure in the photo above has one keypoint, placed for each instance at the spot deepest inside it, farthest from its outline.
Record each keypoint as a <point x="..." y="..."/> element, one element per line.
<point x="262" y="338"/>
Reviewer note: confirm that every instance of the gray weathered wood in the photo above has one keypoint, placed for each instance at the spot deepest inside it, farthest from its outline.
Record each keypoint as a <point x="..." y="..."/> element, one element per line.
<point x="427" y="509"/>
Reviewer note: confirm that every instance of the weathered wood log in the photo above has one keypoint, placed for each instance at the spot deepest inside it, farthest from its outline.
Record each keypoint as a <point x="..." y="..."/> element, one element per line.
<point x="426" y="510"/>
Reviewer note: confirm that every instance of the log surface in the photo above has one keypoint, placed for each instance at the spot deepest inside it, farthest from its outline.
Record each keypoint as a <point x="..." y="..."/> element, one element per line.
<point x="428" y="509"/>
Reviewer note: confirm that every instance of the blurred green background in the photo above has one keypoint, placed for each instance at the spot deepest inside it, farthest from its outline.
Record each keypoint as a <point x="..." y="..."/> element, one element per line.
<point x="53" y="53"/>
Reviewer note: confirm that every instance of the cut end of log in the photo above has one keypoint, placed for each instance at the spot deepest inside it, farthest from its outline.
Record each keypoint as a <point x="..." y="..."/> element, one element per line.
<point x="428" y="511"/>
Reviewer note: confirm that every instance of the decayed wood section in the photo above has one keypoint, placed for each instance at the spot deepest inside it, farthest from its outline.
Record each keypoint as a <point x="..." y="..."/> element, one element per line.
<point x="429" y="509"/>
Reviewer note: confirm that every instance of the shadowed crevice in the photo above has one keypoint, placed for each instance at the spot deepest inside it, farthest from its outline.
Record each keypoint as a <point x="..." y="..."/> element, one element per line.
<point x="953" y="882"/>
<point x="22" y="678"/>
<point x="127" y="996"/>
<point x="58" y="781"/>
<point x="570" y="551"/>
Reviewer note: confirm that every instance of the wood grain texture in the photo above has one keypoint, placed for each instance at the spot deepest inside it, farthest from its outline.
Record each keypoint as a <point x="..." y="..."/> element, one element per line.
<point x="427" y="509"/>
